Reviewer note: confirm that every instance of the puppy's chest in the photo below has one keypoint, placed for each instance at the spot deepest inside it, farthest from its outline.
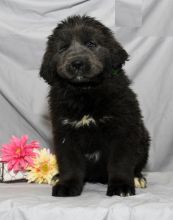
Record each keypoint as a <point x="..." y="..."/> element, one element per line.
<point x="90" y="134"/>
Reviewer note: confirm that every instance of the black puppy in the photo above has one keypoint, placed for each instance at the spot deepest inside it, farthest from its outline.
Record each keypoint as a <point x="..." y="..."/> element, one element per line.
<point x="99" y="135"/>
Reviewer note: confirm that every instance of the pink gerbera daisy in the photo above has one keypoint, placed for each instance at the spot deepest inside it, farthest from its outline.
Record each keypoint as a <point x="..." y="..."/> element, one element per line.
<point x="19" y="154"/>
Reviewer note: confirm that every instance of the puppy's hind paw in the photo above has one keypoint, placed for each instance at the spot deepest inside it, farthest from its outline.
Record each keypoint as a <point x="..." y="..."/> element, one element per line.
<point x="140" y="182"/>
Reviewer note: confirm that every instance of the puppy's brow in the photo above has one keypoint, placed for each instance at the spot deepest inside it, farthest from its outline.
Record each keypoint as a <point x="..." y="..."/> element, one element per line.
<point x="65" y="37"/>
<point x="86" y="34"/>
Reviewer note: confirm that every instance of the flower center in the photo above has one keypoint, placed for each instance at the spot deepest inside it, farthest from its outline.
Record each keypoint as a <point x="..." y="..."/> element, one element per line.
<point x="18" y="150"/>
<point x="45" y="168"/>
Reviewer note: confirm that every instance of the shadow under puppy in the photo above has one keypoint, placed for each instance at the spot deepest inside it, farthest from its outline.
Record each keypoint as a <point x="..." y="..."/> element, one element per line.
<point x="99" y="134"/>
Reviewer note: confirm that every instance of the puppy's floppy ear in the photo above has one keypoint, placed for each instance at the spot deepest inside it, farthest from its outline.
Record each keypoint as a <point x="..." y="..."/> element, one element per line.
<point x="119" y="55"/>
<point x="48" y="67"/>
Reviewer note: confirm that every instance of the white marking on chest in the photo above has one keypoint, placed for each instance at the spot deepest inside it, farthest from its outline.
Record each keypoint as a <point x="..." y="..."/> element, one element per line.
<point x="105" y="119"/>
<point x="94" y="156"/>
<point x="63" y="141"/>
<point x="86" y="120"/>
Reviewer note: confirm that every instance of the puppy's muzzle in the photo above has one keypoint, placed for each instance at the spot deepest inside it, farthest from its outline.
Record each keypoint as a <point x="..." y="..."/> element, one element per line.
<point x="79" y="68"/>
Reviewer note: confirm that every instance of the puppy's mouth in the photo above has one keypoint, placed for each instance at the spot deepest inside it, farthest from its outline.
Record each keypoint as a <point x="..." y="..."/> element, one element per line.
<point x="86" y="81"/>
<point x="80" y="79"/>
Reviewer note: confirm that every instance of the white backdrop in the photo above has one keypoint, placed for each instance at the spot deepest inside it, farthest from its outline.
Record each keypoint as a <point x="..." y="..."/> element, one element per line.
<point x="145" y="29"/>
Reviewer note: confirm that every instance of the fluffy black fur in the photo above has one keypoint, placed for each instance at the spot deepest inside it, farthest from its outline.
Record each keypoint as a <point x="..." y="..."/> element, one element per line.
<point x="83" y="66"/>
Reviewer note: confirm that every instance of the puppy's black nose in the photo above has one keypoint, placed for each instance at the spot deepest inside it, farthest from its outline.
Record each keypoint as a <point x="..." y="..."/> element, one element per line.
<point x="77" y="64"/>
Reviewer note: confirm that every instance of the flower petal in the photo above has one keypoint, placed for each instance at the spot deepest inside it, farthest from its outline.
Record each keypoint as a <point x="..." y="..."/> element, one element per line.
<point x="23" y="140"/>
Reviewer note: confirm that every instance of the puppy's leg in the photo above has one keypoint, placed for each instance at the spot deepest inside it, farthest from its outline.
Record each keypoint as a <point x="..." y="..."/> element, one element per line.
<point x="120" y="172"/>
<point x="71" y="167"/>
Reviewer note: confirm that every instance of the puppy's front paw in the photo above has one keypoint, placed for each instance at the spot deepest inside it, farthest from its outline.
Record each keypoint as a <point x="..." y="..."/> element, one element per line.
<point x="64" y="190"/>
<point x="120" y="190"/>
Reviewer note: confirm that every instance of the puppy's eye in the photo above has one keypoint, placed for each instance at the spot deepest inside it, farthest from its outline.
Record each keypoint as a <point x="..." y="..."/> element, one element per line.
<point x="62" y="48"/>
<point x="91" y="44"/>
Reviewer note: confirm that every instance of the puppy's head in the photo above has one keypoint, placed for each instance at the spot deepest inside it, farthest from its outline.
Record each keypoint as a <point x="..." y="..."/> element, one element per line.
<point x="81" y="50"/>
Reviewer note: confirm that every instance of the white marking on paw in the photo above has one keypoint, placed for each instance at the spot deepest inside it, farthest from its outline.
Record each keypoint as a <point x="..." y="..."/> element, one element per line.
<point x="94" y="156"/>
<point x="54" y="180"/>
<point x="140" y="182"/>
<point x="128" y="194"/>
<point x="122" y="194"/>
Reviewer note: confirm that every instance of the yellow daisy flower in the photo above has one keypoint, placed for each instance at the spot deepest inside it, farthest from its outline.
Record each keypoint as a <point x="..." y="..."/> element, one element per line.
<point x="44" y="168"/>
